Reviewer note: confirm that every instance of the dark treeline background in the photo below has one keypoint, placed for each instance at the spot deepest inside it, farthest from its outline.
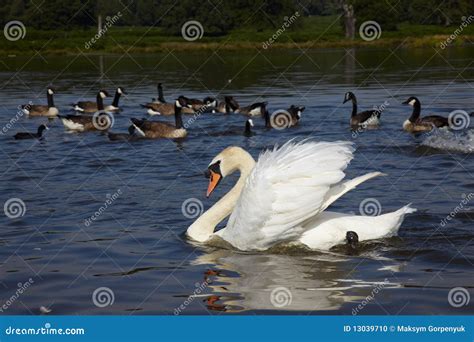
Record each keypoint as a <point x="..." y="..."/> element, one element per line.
<point x="220" y="16"/>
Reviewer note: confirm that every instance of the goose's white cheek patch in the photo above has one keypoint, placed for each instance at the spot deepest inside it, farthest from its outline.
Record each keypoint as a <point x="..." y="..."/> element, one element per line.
<point x="412" y="102"/>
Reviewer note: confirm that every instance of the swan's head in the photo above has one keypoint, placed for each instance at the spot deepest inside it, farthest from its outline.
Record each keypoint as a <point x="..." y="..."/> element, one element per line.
<point x="225" y="163"/>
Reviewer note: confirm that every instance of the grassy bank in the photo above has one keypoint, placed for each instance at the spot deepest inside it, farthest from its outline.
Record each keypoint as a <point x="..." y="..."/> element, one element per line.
<point x="317" y="32"/>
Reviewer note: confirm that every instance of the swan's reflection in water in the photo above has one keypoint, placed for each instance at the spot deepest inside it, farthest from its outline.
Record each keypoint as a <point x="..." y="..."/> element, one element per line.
<point x="314" y="282"/>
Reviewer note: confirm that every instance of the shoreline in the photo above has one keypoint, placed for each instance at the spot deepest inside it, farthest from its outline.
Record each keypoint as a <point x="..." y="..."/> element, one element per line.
<point x="433" y="41"/>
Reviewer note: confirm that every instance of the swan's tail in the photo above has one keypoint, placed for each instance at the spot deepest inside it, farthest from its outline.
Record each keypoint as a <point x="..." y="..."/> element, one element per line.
<point x="339" y="190"/>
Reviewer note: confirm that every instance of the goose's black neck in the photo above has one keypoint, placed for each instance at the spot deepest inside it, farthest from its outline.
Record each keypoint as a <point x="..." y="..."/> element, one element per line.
<point x="354" y="106"/>
<point x="416" y="112"/>
<point x="100" y="102"/>
<point x="161" y="98"/>
<point x="248" y="129"/>
<point x="178" y="117"/>
<point x="40" y="130"/>
<point x="268" y="123"/>
<point x="50" y="99"/>
<point x="115" y="102"/>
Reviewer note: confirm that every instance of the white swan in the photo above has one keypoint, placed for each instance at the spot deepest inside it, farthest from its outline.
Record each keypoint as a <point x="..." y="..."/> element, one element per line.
<point x="282" y="198"/>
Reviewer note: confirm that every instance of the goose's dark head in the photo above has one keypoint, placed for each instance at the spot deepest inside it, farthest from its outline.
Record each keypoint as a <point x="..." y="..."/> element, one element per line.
<point x="131" y="129"/>
<point x="121" y="91"/>
<point x="41" y="128"/>
<point x="183" y="101"/>
<point x="231" y="102"/>
<point x="296" y="111"/>
<point x="50" y="91"/>
<point x="210" y="101"/>
<point x="103" y="93"/>
<point x="412" y="101"/>
<point x="349" y="96"/>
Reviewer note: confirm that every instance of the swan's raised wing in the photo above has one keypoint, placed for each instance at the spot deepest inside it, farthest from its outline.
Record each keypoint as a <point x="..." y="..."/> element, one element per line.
<point x="287" y="186"/>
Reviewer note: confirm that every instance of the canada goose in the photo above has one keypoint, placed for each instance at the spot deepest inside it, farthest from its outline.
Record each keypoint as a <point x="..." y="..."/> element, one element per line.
<point x="157" y="129"/>
<point x="295" y="112"/>
<point x="201" y="105"/>
<point x="29" y="135"/>
<point x="228" y="105"/>
<point x="248" y="128"/>
<point x="366" y="118"/>
<point x="133" y="134"/>
<point x="101" y="120"/>
<point x="161" y="107"/>
<point x="416" y="124"/>
<point x="254" y="109"/>
<point x="42" y="110"/>
<point x="92" y="107"/>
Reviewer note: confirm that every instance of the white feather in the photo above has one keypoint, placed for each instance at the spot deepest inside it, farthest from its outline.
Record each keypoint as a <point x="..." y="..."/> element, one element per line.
<point x="287" y="186"/>
<point x="152" y="112"/>
<point x="72" y="126"/>
<point x="329" y="229"/>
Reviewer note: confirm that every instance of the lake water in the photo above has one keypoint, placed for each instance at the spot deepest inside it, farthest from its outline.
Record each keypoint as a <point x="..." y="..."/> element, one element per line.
<point x="137" y="248"/>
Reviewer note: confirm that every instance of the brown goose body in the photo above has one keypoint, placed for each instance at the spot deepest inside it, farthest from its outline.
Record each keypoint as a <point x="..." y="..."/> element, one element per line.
<point x="229" y="105"/>
<point x="254" y="109"/>
<point x="167" y="109"/>
<point x="81" y="123"/>
<point x="416" y="124"/>
<point x="48" y="110"/>
<point x="92" y="107"/>
<point x="158" y="129"/>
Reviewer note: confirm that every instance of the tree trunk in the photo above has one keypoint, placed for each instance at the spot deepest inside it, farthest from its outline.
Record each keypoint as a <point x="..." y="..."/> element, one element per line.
<point x="99" y="23"/>
<point x="349" y="20"/>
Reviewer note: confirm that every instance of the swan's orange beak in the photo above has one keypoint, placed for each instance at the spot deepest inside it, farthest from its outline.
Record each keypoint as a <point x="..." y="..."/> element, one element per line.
<point x="214" y="180"/>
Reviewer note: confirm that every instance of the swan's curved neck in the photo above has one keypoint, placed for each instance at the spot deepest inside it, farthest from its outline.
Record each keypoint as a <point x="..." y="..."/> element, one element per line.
<point x="203" y="228"/>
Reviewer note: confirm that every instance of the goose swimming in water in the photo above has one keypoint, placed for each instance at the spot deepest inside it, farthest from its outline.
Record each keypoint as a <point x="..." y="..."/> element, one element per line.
<point x="29" y="135"/>
<point x="365" y="118"/>
<point x="161" y="107"/>
<point x="157" y="129"/>
<point x="255" y="109"/>
<point x="101" y="121"/>
<point x="283" y="197"/>
<point x="42" y="110"/>
<point x="415" y="124"/>
<point x="229" y="105"/>
<point x="92" y="107"/>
